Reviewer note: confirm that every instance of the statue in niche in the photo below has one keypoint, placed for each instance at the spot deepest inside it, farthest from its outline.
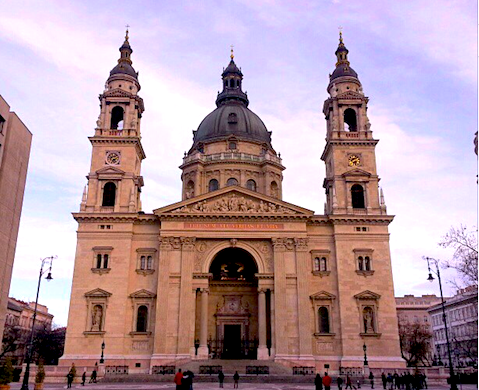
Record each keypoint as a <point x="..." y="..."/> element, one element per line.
<point x="368" y="320"/>
<point x="96" y="318"/>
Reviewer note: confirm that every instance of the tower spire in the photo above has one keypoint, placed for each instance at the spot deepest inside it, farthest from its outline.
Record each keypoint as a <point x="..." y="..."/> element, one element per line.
<point x="232" y="55"/>
<point x="232" y="80"/>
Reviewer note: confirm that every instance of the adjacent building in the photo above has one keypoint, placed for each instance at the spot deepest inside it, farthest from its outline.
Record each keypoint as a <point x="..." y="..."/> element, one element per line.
<point x="15" y="142"/>
<point x="461" y="317"/>
<point x="18" y="326"/>
<point x="232" y="270"/>
<point x="414" y="310"/>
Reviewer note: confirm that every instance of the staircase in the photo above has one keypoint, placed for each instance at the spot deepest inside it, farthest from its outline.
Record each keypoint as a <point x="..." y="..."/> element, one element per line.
<point x="231" y="366"/>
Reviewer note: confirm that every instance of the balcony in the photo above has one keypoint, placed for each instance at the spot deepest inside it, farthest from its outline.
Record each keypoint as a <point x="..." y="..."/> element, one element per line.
<point x="116" y="132"/>
<point x="231" y="156"/>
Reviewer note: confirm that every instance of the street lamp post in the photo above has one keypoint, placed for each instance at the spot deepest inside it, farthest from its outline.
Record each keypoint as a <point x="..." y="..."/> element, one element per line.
<point x="47" y="261"/>
<point x="102" y="360"/>
<point x="366" y="365"/>
<point x="444" y="318"/>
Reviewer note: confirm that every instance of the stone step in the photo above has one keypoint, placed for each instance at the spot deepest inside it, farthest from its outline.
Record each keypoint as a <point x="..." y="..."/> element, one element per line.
<point x="231" y="366"/>
<point x="139" y="378"/>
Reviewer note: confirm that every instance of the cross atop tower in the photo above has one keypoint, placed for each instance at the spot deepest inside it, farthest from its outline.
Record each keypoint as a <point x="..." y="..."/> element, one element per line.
<point x="232" y="53"/>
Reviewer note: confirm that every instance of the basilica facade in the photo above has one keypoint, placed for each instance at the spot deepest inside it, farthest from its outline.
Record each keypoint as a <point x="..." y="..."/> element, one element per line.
<point x="232" y="271"/>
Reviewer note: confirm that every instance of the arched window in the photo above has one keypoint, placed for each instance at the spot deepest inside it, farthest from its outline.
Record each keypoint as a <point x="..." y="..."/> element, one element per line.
<point x="98" y="261"/>
<point x="274" y="189"/>
<point x="109" y="194"/>
<point x="251" y="185"/>
<point x="367" y="264"/>
<point x="232" y="83"/>
<point x="323" y="264"/>
<point x="105" y="261"/>
<point x="232" y="145"/>
<point x="350" y="120"/>
<point x="117" y="118"/>
<point x="323" y="317"/>
<point x="232" y="182"/>
<point x="213" y="185"/>
<point x="316" y="264"/>
<point x="190" y="190"/>
<point x="357" y="196"/>
<point x="360" y="263"/>
<point x="149" y="262"/>
<point x="142" y="262"/>
<point x="141" y="319"/>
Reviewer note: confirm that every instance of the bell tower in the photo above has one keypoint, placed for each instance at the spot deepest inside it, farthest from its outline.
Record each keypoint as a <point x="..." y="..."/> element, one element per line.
<point x="114" y="181"/>
<point x="351" y="182"/>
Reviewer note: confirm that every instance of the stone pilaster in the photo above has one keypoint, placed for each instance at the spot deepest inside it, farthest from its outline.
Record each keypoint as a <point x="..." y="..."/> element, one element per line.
<point x="187" y="305"/>
<point x="203" y="349"/>
<point x="280" y="322"/>
<point x="262" y="348"/>
<point x="272" y="322"/>
<point x="304" y="312"/>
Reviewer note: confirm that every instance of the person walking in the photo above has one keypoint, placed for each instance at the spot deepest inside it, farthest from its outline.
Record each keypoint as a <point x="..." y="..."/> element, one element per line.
<point x="327" y="381"/>
<point x="188" y="380"/>
<point x="93" y="376"/>
<point x="371" y="378"/>
<point x="384" y="380"/>
<point x="83" y="378"/>
<point x="339" y="381"/>
<point x="318" y="382"/>
<point x="70" y="377"/>
<point x="178" y="380"/>
<point x="221" y="378"/>
<point x="236" y="380"/>
<point x="348" y="382"/>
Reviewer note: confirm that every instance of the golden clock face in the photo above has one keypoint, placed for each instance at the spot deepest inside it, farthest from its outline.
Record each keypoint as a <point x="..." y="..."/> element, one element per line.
<point x="354" y="161"/>
<point x="113" y="158"/>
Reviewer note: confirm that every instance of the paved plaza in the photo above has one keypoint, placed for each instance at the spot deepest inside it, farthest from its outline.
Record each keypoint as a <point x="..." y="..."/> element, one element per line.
<point x="209" y="386"/>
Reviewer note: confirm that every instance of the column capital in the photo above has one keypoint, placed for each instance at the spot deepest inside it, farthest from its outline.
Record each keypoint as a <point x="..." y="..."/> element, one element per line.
<point x="301" y="244"/>
<point x="205" y="290"/>
<point x="262" y="290"/>
<point x="170" y="243"/>
<point x="283" y="243"/>
<point x="188" y="243"/>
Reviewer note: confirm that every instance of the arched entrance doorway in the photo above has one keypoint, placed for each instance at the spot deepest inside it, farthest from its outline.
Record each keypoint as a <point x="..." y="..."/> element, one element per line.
<point x="234" y="300"/>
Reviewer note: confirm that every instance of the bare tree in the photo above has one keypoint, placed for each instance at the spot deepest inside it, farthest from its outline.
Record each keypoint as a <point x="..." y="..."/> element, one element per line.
<point x="414" y="340"/>
<point x="464" y="259"/>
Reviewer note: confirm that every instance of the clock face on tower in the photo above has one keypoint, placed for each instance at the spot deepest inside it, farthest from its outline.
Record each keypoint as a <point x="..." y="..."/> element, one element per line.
<point x="353" y="160"/>
<point x="113" y="158"/>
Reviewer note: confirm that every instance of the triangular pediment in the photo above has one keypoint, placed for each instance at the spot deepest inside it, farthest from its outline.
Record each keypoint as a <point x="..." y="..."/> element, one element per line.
<point x="117" y="92"/>
<point x="143" y="294"/>
<point x="367" y="295"/>
<point x="98" y="293"/>
<point x="350" y="95"/>
<point x="233" y="200"/>
<point x="322" y="295"/>
<point x="356" y="172"/>
<point x="110" y="171"/>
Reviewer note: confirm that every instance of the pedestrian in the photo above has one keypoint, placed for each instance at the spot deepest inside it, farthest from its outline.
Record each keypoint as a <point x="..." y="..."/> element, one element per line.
<point x="424" y="380"/>
<point x="339" y="381"/>
<point x="390" y="381"/>
<point x="221" y="378"/>
<point x="188" y="380"/>
<point x="93" y="376"/>
<point x="178" y="379"/>
<point x="384" y="380"/>
<point x="348" y="382"/>
<point x="83" y="378"/>
<point x="69" y="380"/>
<point x="236" y="380"/>
<point x="358" y="384"/>
<point x="318" y="382"/>
<point x="327" y="381"/>
<point x="371" y="378"/>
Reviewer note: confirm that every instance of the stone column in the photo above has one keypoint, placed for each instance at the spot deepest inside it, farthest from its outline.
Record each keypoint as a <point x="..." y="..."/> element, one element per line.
<point x="280" y="322"/>
<point x="203" y="349"/>
<point x="272" y="322"/>
<point x="303" y="262"/>
<point x="262" y="348"/>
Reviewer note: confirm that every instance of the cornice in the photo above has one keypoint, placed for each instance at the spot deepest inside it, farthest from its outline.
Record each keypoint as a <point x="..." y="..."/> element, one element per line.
<point x="238" y="217"/>
<point x="101" y="139"/>
<point x="347" y="142"/>
<point x="116" y="217"/>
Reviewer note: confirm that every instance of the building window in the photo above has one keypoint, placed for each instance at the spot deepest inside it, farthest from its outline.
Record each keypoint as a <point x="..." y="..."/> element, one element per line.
<point x="323" y="317"/>
<point x="350" y="120"/>
<point x="320" y="262"/>
<point x="363" y="258"/>
<point x="213" y="185"/>
<point x="232" y="118"/>
<point x="357" y="196"/>
<point x="146" y="258"/>
<point x="102" y="259"/>
<point x="316" y="264"/>
<point x="323" y="265"/>
<point x="2" y="123"/>
<point x="142" y="319"/>
<point x="232" y="182"/>
<point x="274" y="189"/>
<point x="251" y="185"/>
<point x="232" y="145"/>
<point x="117" y="118"/>
<point x="109" y="194"/>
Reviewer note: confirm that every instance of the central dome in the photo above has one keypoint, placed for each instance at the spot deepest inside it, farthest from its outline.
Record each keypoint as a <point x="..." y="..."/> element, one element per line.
<point x="232" y="118"/>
